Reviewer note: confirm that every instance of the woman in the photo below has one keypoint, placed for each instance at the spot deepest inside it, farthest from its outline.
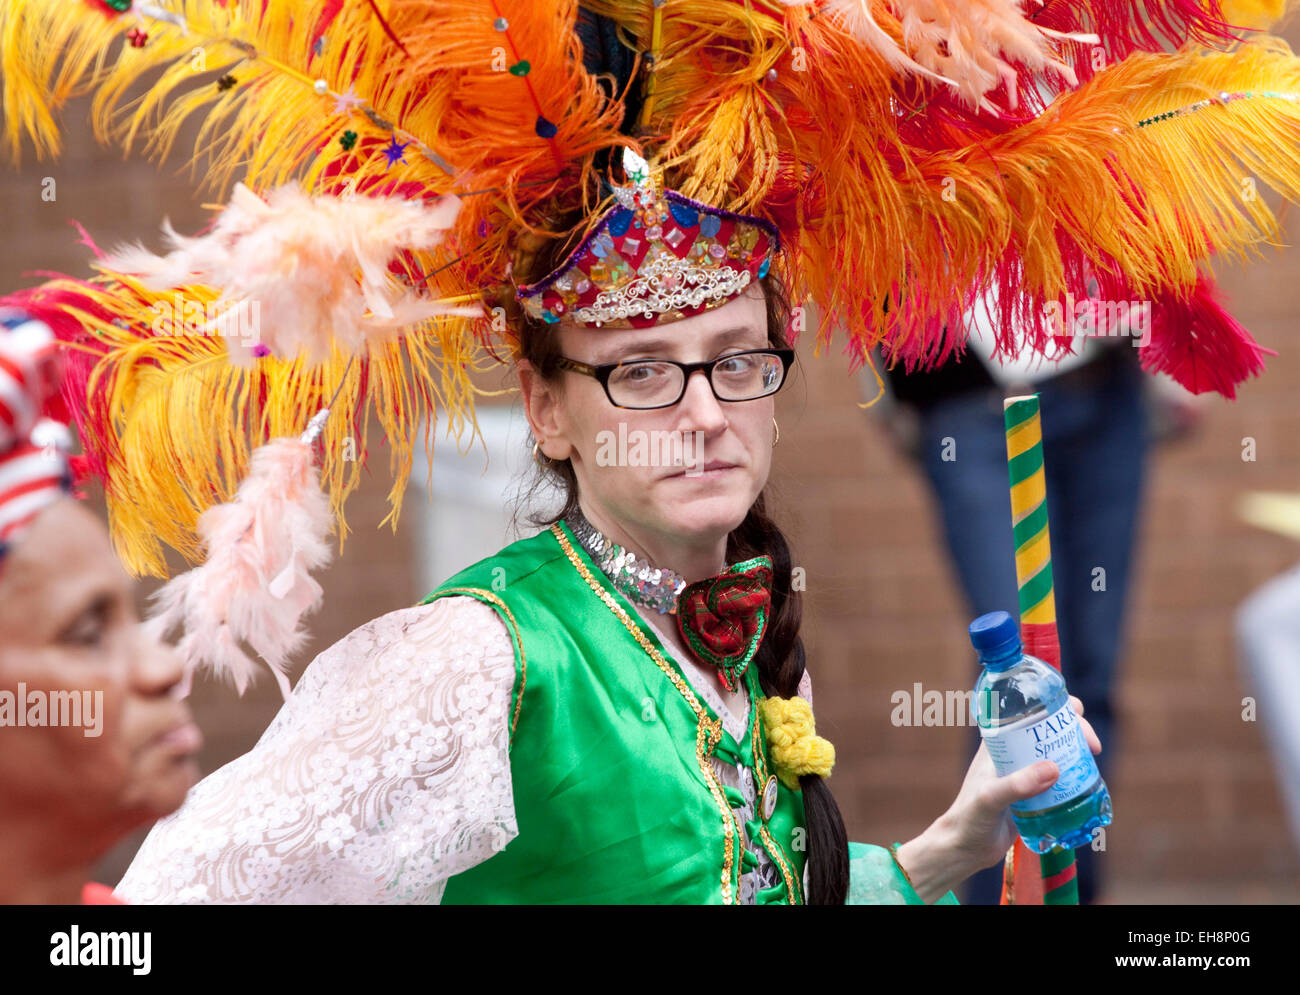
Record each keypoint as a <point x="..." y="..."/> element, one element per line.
<point x="537" y="730"/>
<point x="92" y="743"/>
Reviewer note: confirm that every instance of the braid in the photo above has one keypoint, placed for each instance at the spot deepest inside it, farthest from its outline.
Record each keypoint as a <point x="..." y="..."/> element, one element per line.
<point x="781" y="663"/>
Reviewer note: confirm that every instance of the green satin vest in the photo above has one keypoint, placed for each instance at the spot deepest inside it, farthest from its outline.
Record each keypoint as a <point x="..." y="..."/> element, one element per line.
<point x="609" y="752"/>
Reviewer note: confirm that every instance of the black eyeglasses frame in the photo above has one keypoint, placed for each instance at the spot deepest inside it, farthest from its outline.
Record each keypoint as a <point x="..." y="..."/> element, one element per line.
<point x="604" y="371"/>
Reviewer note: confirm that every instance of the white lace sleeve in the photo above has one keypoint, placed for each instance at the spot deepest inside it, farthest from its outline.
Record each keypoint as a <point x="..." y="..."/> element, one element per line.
<point x="385" y="773"/>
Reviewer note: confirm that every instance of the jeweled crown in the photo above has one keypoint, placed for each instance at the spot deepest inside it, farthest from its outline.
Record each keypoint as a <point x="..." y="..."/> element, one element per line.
<point x="654" y="256"/>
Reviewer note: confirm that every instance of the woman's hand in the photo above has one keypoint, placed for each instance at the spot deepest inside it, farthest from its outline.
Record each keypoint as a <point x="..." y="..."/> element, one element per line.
<point x="979" y="815"/>
<point x="977" y="829"/>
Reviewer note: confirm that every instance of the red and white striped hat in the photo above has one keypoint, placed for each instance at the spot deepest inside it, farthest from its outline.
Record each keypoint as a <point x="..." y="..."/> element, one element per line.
<point x="34" y="471"/>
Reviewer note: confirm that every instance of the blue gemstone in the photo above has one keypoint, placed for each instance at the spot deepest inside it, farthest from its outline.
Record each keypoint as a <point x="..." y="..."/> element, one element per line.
<point x="710" y="225"/>
<point x="684" y="215"/>
<point x="550" y="318"/>
<point x="762" y="270"/>
<point x="619" y="221"/>
<point x="545" y="128"/>
<point x="599" y="249"/>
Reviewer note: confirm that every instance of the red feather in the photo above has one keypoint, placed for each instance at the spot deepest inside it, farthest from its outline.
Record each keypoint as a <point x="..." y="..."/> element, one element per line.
<point x="1200" y="344"/>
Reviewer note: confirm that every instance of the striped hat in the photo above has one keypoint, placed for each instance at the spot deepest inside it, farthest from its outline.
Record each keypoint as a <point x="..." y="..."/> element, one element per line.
<point x="34" y="470"/>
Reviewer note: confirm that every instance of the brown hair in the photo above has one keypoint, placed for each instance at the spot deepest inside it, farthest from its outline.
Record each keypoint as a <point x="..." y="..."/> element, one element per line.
<point x="780" y="659"/>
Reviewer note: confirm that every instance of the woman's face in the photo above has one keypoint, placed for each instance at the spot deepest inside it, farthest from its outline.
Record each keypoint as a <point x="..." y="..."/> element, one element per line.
<point x="68" y="624"/>
<point x="727" y="446"/>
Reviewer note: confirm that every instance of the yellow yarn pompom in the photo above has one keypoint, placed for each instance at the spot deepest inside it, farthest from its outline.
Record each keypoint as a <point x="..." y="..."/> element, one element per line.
<point x="796" y="748"/>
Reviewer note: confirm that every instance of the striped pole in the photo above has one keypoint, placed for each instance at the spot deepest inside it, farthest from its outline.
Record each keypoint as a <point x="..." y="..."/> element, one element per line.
<point x="1037" y="627"/>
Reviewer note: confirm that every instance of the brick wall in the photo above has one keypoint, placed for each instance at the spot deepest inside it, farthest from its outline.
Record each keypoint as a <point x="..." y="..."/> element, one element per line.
<point x="1199" y="816"/>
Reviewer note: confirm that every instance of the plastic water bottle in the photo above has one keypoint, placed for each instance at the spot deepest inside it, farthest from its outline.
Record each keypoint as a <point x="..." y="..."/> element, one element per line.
<point x="1024" y="716"/>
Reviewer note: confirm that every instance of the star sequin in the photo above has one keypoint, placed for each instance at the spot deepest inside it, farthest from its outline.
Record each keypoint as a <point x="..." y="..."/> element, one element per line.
<point x="346" y="103"/>
<point x="394" y="151"/>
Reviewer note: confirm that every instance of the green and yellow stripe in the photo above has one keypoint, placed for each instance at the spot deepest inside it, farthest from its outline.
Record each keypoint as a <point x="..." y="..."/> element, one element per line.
<point x="1037" y="597"/>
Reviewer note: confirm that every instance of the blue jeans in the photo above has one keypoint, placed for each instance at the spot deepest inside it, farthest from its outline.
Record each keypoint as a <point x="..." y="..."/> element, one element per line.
<point x="1094" y="444"/>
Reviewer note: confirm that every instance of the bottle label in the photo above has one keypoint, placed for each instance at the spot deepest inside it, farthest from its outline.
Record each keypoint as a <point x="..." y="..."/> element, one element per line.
<point x="1058" y="738"/>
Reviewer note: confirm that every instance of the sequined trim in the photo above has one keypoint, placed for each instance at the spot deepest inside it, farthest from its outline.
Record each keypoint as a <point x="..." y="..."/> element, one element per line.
<point x="514" y="626"/>
<point x="707" y="736"/>
<point x="792" y="888"/>
<point x="640" y="582"/>
<point x="634" y="265"/>
<point x="693" y="285"/>
<point x="708" y="732"/>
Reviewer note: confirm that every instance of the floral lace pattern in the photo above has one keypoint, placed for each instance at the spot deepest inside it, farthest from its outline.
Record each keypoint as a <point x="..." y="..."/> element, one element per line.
<point x="385" y="773"/>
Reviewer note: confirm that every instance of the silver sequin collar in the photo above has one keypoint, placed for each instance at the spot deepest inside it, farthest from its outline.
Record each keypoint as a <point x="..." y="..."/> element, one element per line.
<point x="640" y="582"/>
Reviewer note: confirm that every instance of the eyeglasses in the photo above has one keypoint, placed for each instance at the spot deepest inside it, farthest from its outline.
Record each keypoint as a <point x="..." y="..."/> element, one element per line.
<point x="661" y="383"/>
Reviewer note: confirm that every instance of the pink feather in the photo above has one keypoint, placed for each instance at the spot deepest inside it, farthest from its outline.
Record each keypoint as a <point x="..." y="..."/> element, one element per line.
<point x="973" y="46"/>
<point x="858" y="20"/>
<point x="256" y="584"/>
<point x="304" y="273"/>
<point x="981" y="44"/>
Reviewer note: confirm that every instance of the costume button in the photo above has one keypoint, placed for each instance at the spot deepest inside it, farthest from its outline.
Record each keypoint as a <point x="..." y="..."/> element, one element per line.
<point x="769" y="798"/>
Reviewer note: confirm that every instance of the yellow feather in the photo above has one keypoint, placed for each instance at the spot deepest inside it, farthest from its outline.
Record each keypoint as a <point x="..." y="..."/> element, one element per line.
<point x="177" y="423"/>
<point x="1253" y="13"/>
<point x="49" y="53"/>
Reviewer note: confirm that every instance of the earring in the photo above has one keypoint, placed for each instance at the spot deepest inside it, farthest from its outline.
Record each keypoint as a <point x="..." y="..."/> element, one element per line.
<point x="777" y="437"/>
<point x="545" y="460"/>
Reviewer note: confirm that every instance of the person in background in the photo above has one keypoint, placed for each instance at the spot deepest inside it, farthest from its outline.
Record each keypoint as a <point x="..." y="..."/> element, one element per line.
<point x="1267" y="633"/>
<point x="92" y="743"/>
<point x="1095" y="440"/>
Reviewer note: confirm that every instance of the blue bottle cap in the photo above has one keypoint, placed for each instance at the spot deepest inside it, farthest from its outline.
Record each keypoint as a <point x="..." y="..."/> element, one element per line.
<point x="995" y="635"/>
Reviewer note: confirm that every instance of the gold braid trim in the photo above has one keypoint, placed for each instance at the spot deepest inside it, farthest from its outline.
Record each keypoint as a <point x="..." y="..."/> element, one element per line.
<point x="514" y="627"/>
<point x="708" y="732"/>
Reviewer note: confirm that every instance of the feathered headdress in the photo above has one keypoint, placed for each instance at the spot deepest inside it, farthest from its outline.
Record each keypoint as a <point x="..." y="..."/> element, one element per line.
<point x="410" y="157"/>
